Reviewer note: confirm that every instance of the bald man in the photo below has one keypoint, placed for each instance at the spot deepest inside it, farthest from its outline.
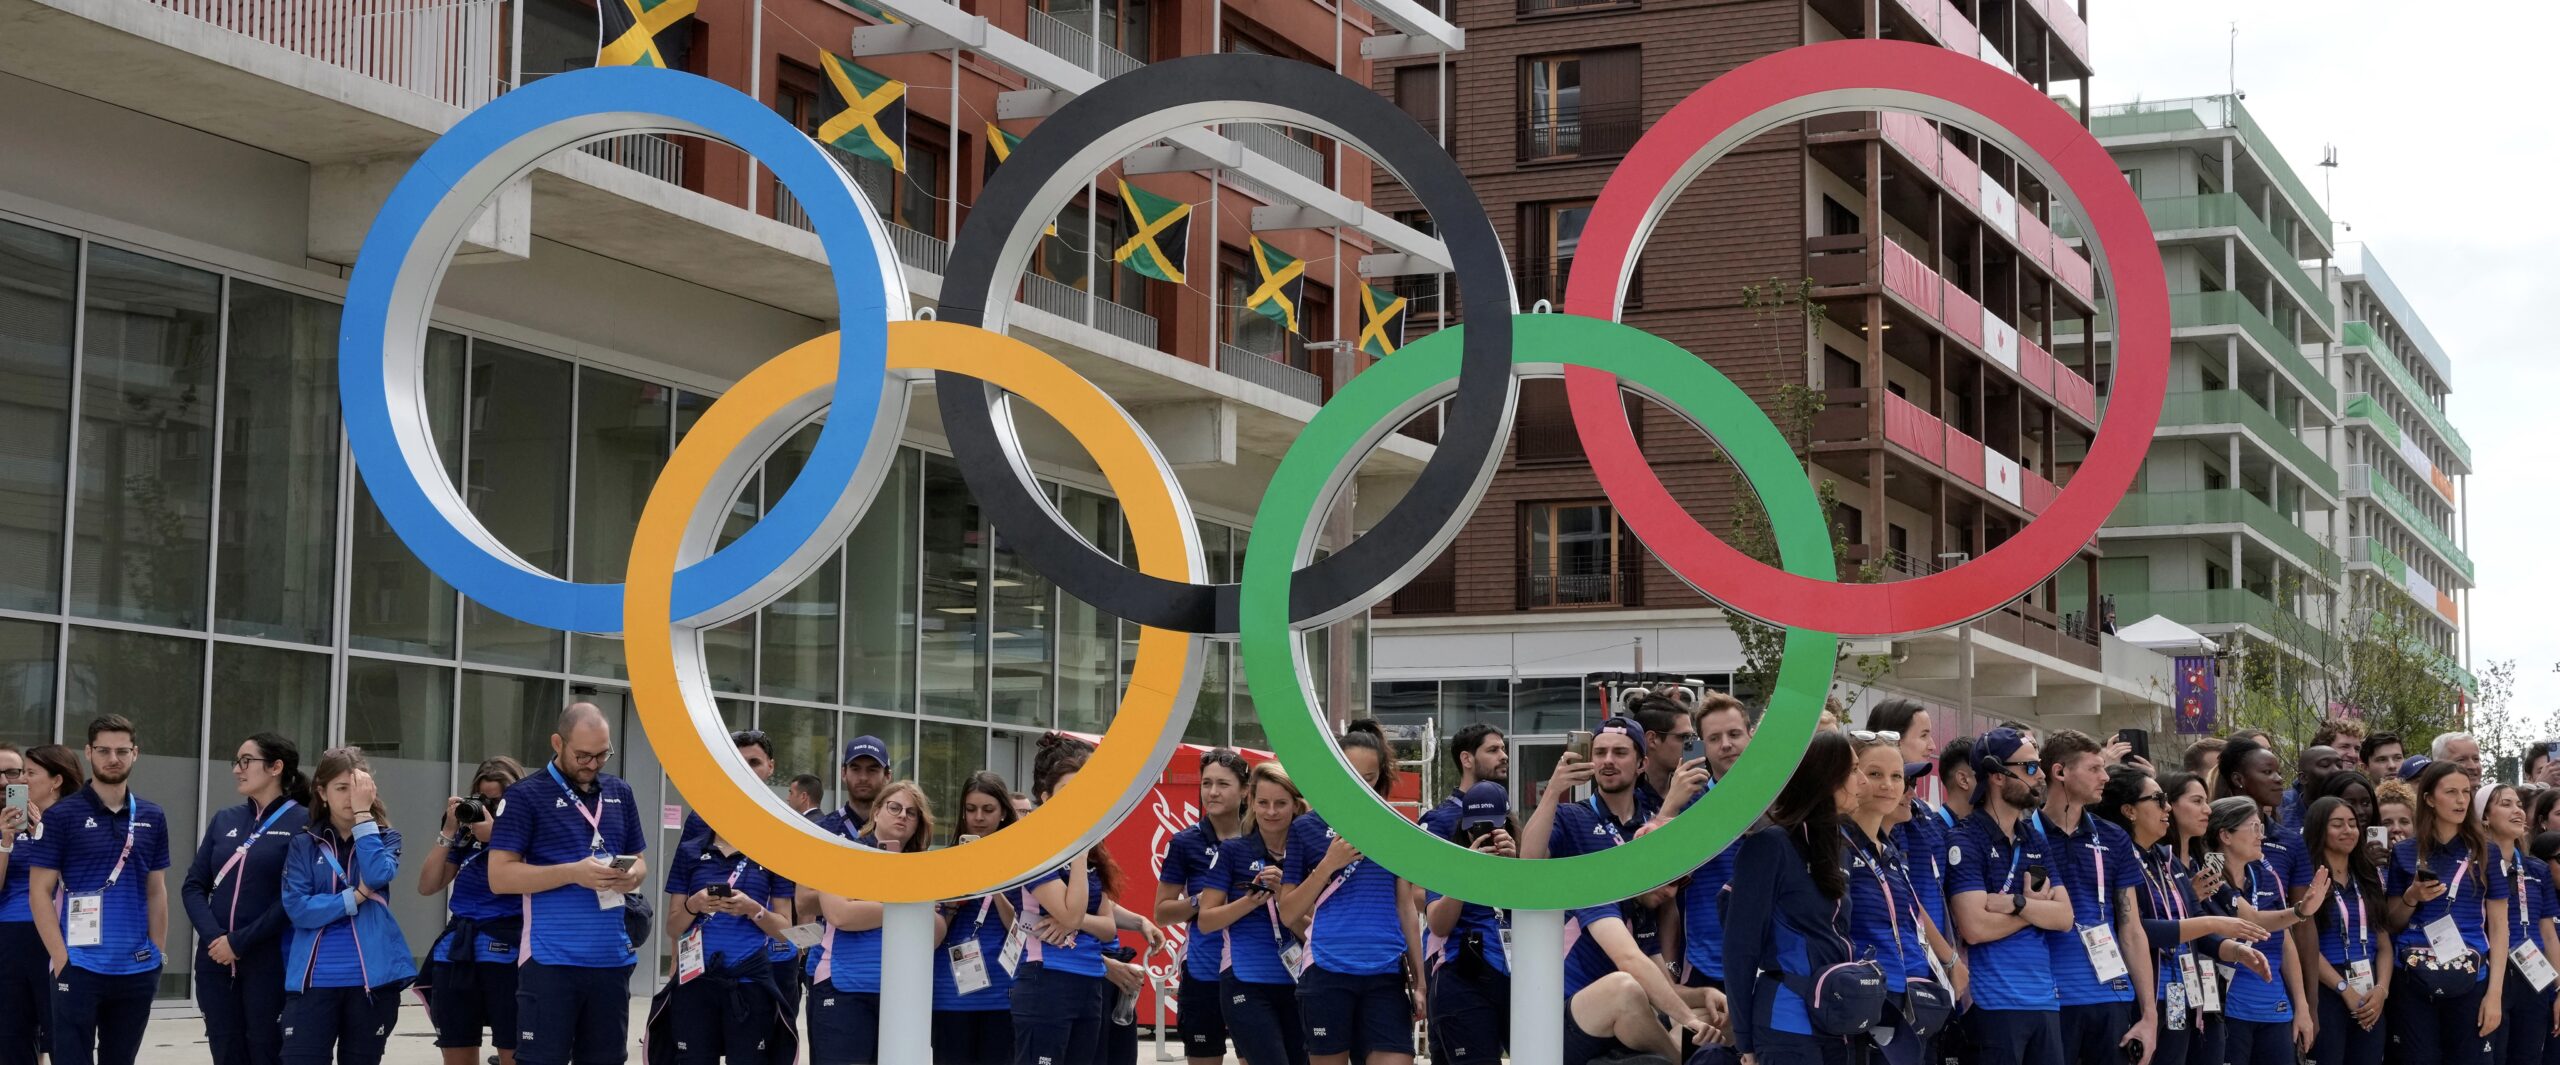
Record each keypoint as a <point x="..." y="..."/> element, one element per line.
<point x="569" y="839"/>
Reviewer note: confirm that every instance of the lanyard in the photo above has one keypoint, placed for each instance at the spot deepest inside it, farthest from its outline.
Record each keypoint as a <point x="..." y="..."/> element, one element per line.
<point x="330" y="851"/>
<point x="1884" y="886"/>
<point x="2106" y="904"/>
<point x="2353" y="909"/>
<point x="2454" y="889"/>
<point x="595" y="818"/>
<point x="132" y="823"/>
<point x="2017" y="853"/>
<point x="241" y="853"/>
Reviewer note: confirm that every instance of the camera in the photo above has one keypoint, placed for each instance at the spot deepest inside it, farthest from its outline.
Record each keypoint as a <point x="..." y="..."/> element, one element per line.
<point x="471" y="811"/>
<point x="1469" y="834"/>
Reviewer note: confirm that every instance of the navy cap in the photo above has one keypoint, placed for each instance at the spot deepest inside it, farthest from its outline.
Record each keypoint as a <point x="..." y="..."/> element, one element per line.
<point x="1991" y="757"/>
<point x="1487" y="803"/>
<point x="2412" y="766"/>
<point x="867" y="747"/>
<point x="1624" y="727"/>
<point x="1913" y="771"/>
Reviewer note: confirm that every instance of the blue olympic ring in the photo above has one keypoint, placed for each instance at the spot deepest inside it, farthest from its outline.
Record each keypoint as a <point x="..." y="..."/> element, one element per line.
<point x="403" y="261"/>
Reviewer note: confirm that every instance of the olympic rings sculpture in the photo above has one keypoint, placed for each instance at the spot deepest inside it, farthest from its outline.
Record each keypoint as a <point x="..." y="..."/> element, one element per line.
<point x="678" y="584"/>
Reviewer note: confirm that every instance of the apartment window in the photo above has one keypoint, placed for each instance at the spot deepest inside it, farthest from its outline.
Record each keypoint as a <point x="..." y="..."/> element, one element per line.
<point x="1076" y="260"/>
<point x="1837" y="219"/>
<point x="1125" y="24"/>
<point x="1848" y="523"/>
<point x="1569" y="555"/>
<point x="1839" y="370"/>
<point x="2133" y="180"/>
<point x="2215" y="576"/>
<point x="1580" y="103"/>
<point x="1544" y="7"/>
<point x="1418" y="92"/>
<point x="1552" y="232"/>
<point x="1897" y="539"/>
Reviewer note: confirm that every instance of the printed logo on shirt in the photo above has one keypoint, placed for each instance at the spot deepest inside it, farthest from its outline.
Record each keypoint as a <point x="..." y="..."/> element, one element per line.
<point x="558" y="803"/>
<point x="1955" y="855"/>
<point x="233" y="834"/>
<point x="92" y="823"/>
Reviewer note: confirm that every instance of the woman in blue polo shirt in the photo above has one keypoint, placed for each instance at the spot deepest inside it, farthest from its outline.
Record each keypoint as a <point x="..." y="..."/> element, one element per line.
<point x="1190" y="866"/>
<point x="725" y="911"/>
<point x="1065" y="915"/>
<point x="470" y="982"/>
<point x="1786" y="922"/>
<point x="240" y="962"/>
<point x="2185" y="940"/>
<point x="348" y="963"/>
<point x="975" y="1026"/>
<point x="2449" y="992"/>
<point x="2528" y="1014"/>
<point x="2267" y="1018"/>
<point x="844" y="1027"/>
<point x="1362" y="942"/>
<point x="2352" y="969"/>
<point x="1259" y="975"/>
<point x="1886" y="920"/>
<point x="49" y="772"/>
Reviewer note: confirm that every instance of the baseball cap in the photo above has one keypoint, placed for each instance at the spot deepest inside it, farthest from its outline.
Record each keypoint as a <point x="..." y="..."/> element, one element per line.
<point x="1624" y="727"/>
<point x="1913" y="771"/>
<point x="866" y="747"/>
<point x="1991" y="757"/>
<point x="1487" y="803"/>
<point x="2414" y="765"/>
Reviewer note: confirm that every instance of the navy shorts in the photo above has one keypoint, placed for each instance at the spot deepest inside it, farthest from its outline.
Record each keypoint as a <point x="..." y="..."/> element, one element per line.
<point x="1057" y="1016"/>
<point x="844" y="1026"/>
<point x="2257" y="1042"/>
<point x="1470" y="1019"/>
<point x="1204" y="1018"/>
<point x="1359" y="1015"/>
<point x="571" y="1015"/>
<point x="467" y="997"/>
<point x="1581" y="1046"/>
<point x="1263" y="1021"/>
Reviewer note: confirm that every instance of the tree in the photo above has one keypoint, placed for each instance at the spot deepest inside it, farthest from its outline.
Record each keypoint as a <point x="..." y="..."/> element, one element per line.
<point x="2374" y="665"/>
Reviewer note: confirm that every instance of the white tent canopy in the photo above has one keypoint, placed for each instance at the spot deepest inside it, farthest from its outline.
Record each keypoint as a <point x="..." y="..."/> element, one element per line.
<point x="2157" y="633"/>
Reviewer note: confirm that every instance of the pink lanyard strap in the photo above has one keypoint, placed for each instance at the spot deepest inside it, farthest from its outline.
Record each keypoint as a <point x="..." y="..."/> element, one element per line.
<point x="595" y="817"/>
<point x="2454" y="889"/>
<point x="132" y="824"/>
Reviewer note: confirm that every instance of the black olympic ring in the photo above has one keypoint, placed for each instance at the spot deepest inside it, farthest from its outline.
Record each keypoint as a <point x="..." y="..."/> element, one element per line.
<point x="1203" y="89"/>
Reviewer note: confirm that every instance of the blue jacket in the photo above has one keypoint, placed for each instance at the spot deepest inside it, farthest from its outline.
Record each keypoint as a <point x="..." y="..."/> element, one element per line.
<point x="316" y="897"/>
<point x="244" y="905"/>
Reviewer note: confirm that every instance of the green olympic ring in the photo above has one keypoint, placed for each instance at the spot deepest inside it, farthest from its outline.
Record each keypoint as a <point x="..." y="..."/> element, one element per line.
<point x="1322" y="459"/>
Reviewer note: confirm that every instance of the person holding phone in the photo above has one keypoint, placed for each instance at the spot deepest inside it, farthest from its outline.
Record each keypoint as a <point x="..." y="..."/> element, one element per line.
<point x="2451" y="917"/>
<point x="2349" y="960"/>
<point x="844" y="1026"/>
<point x="2185" y="940"/>
<point x="1470" y="945"/>
<point x="470" y="977"/>
<point x="1364" y="958"/>
<point x="2267" y="1015"/>
<point x="1190" y="867"/>
<point x="972" y="994"/>
<point x="1259" y="979"/>
<point x="1788" y="924"/>
<point x="99" y="889"/>
<point x="239" y="964"/>
<point x="726" y="914"/>
<point x="2531" y="983"/>
<point x="36" y="778"/>
<point x="570" y="841"/>
<point x="2003" y="901"/>
<point x="1067" y="919"/>
<point x="348" y="963"/>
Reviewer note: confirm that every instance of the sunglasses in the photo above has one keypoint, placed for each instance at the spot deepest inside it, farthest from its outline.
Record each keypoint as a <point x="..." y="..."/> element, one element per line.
<point x="2157" y="797"/>
<point x="1864" y="736"/>
<point x="2026" y="769"/>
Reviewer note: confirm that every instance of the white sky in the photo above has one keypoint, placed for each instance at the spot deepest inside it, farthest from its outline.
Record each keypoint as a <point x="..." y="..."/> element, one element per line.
<point x="2447" y="155"/>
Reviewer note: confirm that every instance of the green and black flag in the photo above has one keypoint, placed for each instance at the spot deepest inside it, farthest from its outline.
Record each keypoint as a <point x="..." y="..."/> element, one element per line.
<point x="1162" y="237"/>
<point x="866" y="112"/>
<point x="1381" y="321"/>
<point x="644" y="33"/>
<point x="1279" y="279"/>
<point x="1000" y="146"/>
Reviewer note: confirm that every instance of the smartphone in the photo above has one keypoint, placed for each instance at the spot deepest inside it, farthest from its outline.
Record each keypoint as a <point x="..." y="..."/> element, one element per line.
<point x="2213" y="863"/>
<point x="2426" y="875"/>
<point x="966" y="837"/>
<point x="2378" y="836"/>
<point x="1693" y="750"/>
<point x="2138" y="739"/>
<point x="2035" y="878"/>
<point x="1469" y="834"/>
<point x="17" y="797"/>
<point x="624" y="862"/>
<point x="1578" y="742"/>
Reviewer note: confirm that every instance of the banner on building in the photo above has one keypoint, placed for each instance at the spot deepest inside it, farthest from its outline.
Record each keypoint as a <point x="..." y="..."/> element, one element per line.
<point x="2198" y="695"/>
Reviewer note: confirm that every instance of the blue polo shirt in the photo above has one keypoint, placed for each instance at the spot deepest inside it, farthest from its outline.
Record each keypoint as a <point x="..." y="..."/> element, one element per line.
<point x="472" y="900"/>
<point x="1083" y="958"/>
<point x="13" y="883"/>
<point x="546" y="823"/>
<point x="1923" y="842"/>
<point x="1884" y="913"/>
<point x="2462" y="898"/>
<point x="726" y="937"/>
<point x="2286" y="855"/>
<point x="2348" y="923"/>
<point x="2094" y="863"/>
<point x="979" y="919"/>
<point x="1579" y="830"/>
<point x="1254" y="941"/>
<point x="1702" y="905"/>
<point x="2250" y="998"/>
<point x="1485" y="922"/>
<point x="87" y="844"/>
<point x="2529" y="896"/>
<point x="1191" y="862"/>
<point x="2014" y="972"/>
<point x="1357" y="929"/>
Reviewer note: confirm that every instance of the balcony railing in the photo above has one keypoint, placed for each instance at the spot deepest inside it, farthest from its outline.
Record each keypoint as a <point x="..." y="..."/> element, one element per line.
<point x="2205" y="310"/>
<point x="2233" y="407"/>
<point x="1927" y="151"/>
<point x="1915" y="430"/>
<point x="1943" y="301"/>
<point x="2398" y="574"/>
<point x="450" y="51"/>
<point x="2361" y="335"/>
<point x="1580" y="589"/>
<point x="2225" y="210"/>
<point x="1277" y="145"/>
<point x="920" y="250"/>
<point x="1070" y="42"/>
<point x="1579" y="131"/>
<point x="647" y="153"/>
<point x="2226" y="606"/>
<point x="2362" y="406"/>
<point x="1269" y="372"/>
<point x="1071" y="303"/>
<point x="2225" y="506"/>
<point x="2212" y="112"/>
<point x="2361" y="480"/>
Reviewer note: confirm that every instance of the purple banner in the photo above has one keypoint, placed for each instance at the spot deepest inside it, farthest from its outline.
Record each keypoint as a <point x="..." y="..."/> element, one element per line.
<point x="2198" y="695"/>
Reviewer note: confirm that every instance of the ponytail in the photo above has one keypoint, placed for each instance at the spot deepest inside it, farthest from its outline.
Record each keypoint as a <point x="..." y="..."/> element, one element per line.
<point x="297" y="784"/>
<point x="1367" y="734"/>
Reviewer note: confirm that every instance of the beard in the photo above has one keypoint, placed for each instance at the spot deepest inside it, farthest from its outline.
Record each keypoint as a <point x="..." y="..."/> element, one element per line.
<point x="102" y="775"/>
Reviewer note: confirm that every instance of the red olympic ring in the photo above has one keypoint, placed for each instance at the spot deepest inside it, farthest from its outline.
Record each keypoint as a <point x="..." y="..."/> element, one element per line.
<point x="1856" y="75"/>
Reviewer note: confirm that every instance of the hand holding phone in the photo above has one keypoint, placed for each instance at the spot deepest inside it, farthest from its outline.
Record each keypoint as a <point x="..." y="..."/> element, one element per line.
<point x="1578" y="743"/>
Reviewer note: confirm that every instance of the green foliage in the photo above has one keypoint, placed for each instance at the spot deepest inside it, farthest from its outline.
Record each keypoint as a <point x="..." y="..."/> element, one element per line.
<point x="2375" y="660"/>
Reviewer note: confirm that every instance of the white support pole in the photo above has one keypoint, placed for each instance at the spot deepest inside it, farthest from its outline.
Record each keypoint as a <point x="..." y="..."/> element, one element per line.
<point x="906" y="981"/>
<point x="755" y="87"/>
<point x="1537" y="987"/>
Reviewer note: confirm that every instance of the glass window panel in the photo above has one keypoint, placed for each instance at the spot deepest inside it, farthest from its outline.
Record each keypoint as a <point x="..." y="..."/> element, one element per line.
<point x="267" y="689"/>
<point x="279" y="518"/>
<point x="951" y="625"/>
<point x="38" y="281"/>
<point x="510" y="715"/>
<point x="1010" y="754"/>
<point x="395" y="604"/>
<point x="1209" y="712"/>
<point x="518" y="485"/>
<point x="622" y="444"/>
<point x="728" y="652"/>
<point x="880" y="619"/>
<point x="1088" y="639"/>
<point x="1547" y="705"/>
<point x="401" y="713"/>
<point x="1405" y="702"/>
<point x="26" y="682"/>
<point x="804" y="741"/>
<point x="1018" y="639"/>
<point x="948" y="754"/>
<point x="1465" y="702"/>
<point x="146" y="440"/>
<point x="1246" y="731"/>
<point x="898" y="733"/>
<point x="800" y="629"/>
<point x="157" y="682"/>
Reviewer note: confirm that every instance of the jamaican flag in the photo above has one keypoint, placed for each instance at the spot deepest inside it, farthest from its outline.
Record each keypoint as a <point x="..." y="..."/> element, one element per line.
<point x="867" y="112"/>
<point x="1163" y="234"/>
<point x="874" y="10"/>
<point x="644" y="33"/>
<point x="1381" y="321"/>
<point x="1279" y="279"/>
<point x="1000" y="146"/>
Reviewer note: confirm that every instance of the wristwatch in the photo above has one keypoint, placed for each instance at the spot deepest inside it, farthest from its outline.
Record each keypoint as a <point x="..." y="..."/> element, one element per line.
<point x="2017" y="903"/>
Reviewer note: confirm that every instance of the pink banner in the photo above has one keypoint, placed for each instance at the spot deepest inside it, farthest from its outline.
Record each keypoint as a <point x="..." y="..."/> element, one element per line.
<point x="2072" y="269"/>
<point x="2035" y="238"/>
<point x="2035" y="365"/>
<point x="1905" y="277"/>
<point x="2034" y="493"/>
<point x="1964" y="457"/>
<point x="1963" y="315"/>
<point x="1914" y="136"/>
<point x="1956" y="31"/>
<point x="2074" y="392"/>
<point x="1961" y="176"/>
<point x="1924" y="12"/>
<point x="2069" y="29"/>
<point x="1916" y="430"/>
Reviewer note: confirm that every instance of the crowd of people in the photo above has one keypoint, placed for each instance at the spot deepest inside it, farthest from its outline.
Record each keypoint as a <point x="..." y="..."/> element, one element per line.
<point x="2064" y="900"/>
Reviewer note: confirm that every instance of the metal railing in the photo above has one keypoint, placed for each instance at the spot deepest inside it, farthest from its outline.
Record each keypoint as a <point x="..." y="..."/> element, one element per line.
<point x="2361" y="335"/>
<point x="916" y="248"/>
<point x="1269" y="372"/>
<point x="647" y="153"/>
<point x="1070" y="42"/>
<point x="450" y="51"/>
<point x="2213" y="112"/>
<point x="2226" y="606"/>
<point x="1580" y="130"/>
<point x="2216" y="210"/>
<point x="1577" y="589"/>
<point x="1277" y="145"/>
<point x="2362" y="479"/>
<point x="2233" y="407"/>
<point x="1072" y="304"/>
<point x="2226" y="506"/>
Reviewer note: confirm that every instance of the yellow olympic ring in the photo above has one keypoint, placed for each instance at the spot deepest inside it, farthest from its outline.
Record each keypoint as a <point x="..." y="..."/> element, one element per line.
<point x="1159" y="524"/>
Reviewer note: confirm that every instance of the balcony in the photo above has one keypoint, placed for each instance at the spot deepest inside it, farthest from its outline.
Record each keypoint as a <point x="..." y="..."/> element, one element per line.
<point x="2228" y="211"/>
<point x="2151" y="514"/>
<point x="919" y="250"/>
<point x="1070" y="42"/>
<point x="2227" y="606"/>
<point x="2214" y="112"/>
<point x="2234" y="408"/>
<point x="647" y="153"/>
<point x="2229" y="310"/>
<point x="1943" y="301"/>
<point x="1279" y="146"/>
<point x="450" y="51"/>
<point x="2361" y="480"/>
<point x="1580" y="589"/>
<point x="2361" y="335"/>
<point x="1076" y="305"/>
<point x="1269" y="372"/>
<point x="2368" y="551"/>
<point x="1579" y="132"/>
<point x="2362" y="407"/>
<point x="1925" y="150"/>
<point x="1938" y="444"/>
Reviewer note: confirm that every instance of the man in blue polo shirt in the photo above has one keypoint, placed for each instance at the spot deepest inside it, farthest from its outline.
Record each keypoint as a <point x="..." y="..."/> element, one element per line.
<point x="98" y="888"/>
<point x="1615" y="993"/>
<point x="1999" y="874"/>
<point x="562" y="832"/>
<point x="1481" y="754"/>
<point x="2102" y="963"/>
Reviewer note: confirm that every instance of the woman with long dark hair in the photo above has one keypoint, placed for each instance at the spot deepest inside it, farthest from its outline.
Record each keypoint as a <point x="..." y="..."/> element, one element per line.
<point x="2529" y="1011"/>
<point x="1059" y="983"/>
<point x="2183" y="937"/>
<point x="2348" y="961"/>
<point x="844" y="1028"/>
<point x="1364" y="951"/>
<point x="240" y="976"/>
<point x="1786" y="925"/>
<point x="49" y="772"/>
<point x="349" y="962"/>
<point x="1264" y="954"/>
<point x="2266" y="1014"/>
<point x="972" y="995"/>
<point x="470" y="982"/>
<point x="1886" y="920"/>
<point x="2451" y="917"/>
<point x="1190" y="867"/>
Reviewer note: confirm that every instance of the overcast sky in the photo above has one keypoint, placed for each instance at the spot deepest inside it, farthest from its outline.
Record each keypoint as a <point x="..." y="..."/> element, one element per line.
<point x="2447" y="156"/>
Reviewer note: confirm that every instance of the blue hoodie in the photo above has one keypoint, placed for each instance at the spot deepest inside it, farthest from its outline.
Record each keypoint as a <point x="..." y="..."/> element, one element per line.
<point x="320" y="900"/>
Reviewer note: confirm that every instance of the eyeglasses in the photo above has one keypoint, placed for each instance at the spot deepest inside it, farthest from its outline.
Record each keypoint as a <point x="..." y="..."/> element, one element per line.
<point x="2158" y="797"/>
<point x="114" y="752"/>
<point x="596" y="759"/>
<point x="897" y="809"/>
<point x="12" y="774"/>
<point x="2027" y="768"/>
<point x="247" y="760"/>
